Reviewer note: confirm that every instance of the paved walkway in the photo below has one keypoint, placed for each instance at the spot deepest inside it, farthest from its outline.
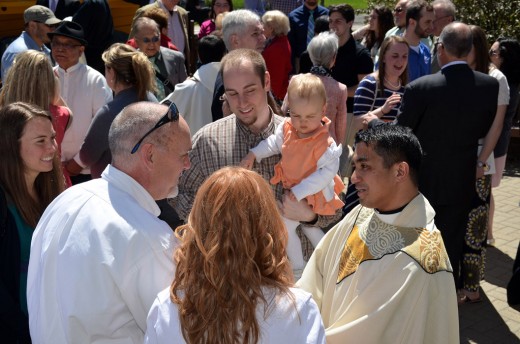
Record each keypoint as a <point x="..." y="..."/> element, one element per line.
<point x="493" y="321"/>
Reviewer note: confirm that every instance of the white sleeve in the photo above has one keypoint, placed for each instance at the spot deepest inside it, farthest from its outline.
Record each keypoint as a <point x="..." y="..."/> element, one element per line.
<point x="323" y="177"/>
<point x="150" y="337"/>
<point x="311" y="317"/>
<point x="270" y="146"/>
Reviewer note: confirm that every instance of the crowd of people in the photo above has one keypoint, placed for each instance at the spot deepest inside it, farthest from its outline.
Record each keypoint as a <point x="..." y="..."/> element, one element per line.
<point x="303" y="183"/>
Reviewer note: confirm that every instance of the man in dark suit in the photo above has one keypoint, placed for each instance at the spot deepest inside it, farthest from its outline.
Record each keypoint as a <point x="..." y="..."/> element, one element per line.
<point x="449" y="111"/>
<point x="61" y="8"/>
<point x="168" y="64"/>
<point x="177" y="25"/>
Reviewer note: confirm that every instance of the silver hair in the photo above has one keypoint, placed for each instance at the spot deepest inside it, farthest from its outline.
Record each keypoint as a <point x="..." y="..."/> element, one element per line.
<point x="323" y="48"/>
<point x="236" y="23"/>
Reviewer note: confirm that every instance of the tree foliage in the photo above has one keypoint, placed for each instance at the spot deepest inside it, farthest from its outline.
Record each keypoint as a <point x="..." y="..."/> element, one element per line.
<point x="497" y="17"/>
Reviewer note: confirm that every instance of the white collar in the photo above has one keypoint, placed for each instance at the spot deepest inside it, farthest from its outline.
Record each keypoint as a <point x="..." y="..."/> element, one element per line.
<point x="126" y="183"/>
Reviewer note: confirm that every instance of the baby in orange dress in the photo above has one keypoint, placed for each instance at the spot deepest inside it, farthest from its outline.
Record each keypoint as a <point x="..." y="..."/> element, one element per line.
<point x="310" y="159"/>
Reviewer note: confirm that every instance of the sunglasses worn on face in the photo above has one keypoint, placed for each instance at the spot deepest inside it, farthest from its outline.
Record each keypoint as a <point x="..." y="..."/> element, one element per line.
<point x="172" y="115"/>
<point x="147" y="40"/>
<point x="398" y="9"/>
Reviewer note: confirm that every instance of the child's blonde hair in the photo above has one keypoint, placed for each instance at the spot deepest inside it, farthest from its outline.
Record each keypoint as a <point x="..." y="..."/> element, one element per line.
<point x="306" y="86"/>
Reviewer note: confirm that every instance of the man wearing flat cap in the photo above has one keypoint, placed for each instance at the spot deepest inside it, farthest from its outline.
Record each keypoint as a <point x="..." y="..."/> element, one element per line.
<point x="83" y="88"/>
<point x="39" y="21"/>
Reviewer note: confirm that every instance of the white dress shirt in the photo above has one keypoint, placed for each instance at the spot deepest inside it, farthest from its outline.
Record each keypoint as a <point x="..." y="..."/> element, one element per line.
<point x="85" y="91"/>
<point x="290" y="321"/>
<point x="99" y="256"/>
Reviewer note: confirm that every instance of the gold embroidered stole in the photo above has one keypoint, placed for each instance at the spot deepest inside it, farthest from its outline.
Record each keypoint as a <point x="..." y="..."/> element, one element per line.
<point x="371" y="239"/>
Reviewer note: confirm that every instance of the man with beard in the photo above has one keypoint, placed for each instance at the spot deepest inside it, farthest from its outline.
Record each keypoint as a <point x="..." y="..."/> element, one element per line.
<point x="39" y="21"/>
<point x="228" y="140"/>
<point x="419" y="24"/>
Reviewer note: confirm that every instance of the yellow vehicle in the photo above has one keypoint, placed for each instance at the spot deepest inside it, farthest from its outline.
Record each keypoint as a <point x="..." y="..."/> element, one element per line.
<point x="11" y="15"/>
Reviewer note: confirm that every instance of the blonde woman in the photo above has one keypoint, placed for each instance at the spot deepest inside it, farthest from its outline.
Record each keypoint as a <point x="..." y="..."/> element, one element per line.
<point x="131" y="77"/>
<point x="233" y="282"/>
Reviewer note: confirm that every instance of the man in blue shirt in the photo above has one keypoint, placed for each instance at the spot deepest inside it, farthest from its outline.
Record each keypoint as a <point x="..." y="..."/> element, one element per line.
<point x="299" y="34"/>
<point x="39" y="21"/>
<point x="419" y="24"/>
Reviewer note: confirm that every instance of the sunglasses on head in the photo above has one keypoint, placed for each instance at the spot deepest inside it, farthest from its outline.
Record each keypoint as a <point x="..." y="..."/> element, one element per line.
<point x="172" y="115"/>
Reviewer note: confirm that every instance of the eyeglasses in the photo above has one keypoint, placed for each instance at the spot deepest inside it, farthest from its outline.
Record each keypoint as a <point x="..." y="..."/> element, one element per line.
<point x="172" y="115"/>
<point x="493" y="52"/>
<point x="154" y="39"/>
<point x="65" y="46"/>
<point x="398" y="9"/>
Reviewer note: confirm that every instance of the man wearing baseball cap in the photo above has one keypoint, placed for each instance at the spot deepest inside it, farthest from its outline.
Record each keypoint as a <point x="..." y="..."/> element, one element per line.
<point x="39" y="21"/>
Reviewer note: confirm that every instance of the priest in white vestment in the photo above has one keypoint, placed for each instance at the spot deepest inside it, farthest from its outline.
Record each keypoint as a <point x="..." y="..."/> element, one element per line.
<point x="382" y="275"/>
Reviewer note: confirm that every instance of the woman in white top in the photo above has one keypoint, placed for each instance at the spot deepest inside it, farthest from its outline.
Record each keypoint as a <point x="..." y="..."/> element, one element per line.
<point x="233" y="279"/>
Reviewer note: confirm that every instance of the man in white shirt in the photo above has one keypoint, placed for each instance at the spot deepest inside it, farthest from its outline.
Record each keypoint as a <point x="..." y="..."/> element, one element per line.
<point x="99" y="254"/>
<point x="83" y="89"/>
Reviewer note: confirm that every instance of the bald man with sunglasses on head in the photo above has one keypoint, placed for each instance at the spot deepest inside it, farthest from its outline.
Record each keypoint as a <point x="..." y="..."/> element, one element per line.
<point x="100" y="254"/>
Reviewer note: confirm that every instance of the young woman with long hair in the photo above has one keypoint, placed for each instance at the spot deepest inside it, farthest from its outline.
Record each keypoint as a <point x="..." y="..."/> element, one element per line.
<point x="31" y="80"/>
<point x="233" y="282"/>
<point x="380" y="21"/>
<point x="30" y="178"/>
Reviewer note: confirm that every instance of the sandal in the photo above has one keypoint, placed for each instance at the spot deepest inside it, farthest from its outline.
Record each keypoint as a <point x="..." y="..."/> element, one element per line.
<point x="465" y="299"/>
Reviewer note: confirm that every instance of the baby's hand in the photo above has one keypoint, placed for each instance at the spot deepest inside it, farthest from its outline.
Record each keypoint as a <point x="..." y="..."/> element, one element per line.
<point x="248" y="161"/>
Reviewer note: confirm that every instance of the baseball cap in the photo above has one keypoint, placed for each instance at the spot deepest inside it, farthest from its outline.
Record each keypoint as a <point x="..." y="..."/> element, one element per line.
<point x="40" y="14"/>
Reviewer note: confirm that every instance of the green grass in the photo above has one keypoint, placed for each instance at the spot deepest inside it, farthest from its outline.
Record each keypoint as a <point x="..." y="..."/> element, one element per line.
<point x="357" y="4"/>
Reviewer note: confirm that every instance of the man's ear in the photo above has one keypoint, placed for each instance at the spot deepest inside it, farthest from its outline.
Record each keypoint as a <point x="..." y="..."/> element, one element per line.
<point x="234" y="40"/>
<point x="147" y="155"/>
<point x="267" y="78"/>
<point x="402" y="170"/>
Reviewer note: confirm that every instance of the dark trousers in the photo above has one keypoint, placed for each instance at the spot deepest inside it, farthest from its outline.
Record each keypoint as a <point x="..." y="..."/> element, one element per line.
<point x="451" y="220"/>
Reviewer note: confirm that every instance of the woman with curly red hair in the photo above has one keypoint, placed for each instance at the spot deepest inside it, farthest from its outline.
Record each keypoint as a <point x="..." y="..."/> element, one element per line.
<point x="233" y="282"/>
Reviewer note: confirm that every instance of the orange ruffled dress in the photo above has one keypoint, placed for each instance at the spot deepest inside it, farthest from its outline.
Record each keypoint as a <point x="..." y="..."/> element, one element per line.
<point x="300" y="159"/>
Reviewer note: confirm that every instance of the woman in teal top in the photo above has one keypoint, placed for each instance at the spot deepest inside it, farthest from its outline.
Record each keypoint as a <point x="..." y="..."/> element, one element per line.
<point x="30" y="178"/>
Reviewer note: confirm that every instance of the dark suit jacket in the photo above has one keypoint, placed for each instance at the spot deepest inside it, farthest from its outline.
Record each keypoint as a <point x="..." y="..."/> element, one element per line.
<point x="448" y="112"/>
<point x="64" y="8"/>
<point x="174" y="63"/>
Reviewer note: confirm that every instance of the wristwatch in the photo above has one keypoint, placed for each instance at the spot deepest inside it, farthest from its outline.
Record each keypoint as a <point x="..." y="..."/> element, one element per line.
<point x="483" y="165"/>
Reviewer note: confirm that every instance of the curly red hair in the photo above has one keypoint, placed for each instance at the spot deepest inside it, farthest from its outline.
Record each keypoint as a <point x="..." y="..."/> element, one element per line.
<point x="232" y="246"/>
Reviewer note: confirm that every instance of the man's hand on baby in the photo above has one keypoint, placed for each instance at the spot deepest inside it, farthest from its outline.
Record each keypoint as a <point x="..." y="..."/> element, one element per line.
<point x="248" y="161"/>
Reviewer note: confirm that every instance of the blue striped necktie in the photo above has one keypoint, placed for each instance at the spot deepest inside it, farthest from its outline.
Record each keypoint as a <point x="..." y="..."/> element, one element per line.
<point x="310" y="26"/>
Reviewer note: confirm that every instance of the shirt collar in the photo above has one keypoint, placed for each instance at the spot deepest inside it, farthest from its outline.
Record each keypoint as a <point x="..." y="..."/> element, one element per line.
<point x="71" y="69"/>
<point x="124" y="182"/>
<point x="454" y="63"/>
